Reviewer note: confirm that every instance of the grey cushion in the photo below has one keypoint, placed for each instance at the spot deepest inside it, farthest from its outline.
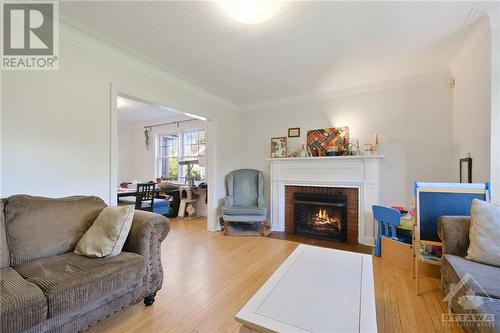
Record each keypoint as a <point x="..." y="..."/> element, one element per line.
<point x="70" y="280"/>
<point x="484" y="233"/>
<point x="240" y="210"/>
<point x="22" y="304"/>
<point x="41" y="227"/>
<point x="486" y="279"/>
<point x="4" y="249"/>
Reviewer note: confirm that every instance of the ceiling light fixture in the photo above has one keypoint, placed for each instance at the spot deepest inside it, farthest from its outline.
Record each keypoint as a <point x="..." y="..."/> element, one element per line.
<point x="250" y="11"/>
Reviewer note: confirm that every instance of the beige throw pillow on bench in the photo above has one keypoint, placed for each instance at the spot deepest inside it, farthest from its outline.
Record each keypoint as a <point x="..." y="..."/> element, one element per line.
<point x="108" y="234"/>
<point x="484" y="233"/>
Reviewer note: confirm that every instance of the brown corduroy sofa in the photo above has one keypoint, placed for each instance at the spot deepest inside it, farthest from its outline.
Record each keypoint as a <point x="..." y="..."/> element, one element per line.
<point x="462" y="278"/>
<point x="45" y="287"/>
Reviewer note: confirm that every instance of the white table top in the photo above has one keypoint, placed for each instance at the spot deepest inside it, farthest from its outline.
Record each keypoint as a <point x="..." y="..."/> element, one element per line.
<point x="315" y="290"/>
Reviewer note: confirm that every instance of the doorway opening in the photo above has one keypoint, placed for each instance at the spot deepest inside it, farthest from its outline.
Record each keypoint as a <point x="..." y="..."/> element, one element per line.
<point x="155" y="144"/>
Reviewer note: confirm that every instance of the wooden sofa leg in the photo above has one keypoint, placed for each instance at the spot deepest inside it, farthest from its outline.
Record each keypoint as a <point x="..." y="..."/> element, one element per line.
<point x="226" y="225"/>
<point x="262" y="228"/>
<point x="149" y="300"/>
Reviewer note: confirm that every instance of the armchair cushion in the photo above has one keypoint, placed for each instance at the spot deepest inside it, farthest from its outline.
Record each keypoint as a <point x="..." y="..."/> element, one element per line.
<point x="241" y="210"/>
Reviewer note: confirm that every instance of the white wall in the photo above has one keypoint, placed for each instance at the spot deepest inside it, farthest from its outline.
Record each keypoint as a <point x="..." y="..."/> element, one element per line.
<point x="413" y="123"/>
<point x="134" y="160"/>
<point x="472" y="109"/>
<point x="126" y="155"/>
<point x="495" y="103"/>
<point x="56" y="124"/>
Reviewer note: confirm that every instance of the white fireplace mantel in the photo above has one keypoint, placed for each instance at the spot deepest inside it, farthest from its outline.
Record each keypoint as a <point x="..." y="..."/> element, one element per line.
<point x="361" y="172"/>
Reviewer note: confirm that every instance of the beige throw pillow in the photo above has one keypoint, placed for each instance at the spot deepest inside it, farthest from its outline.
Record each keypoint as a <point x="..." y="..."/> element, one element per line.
<point x="484" y="233"/>
<point x="108" y="234"/>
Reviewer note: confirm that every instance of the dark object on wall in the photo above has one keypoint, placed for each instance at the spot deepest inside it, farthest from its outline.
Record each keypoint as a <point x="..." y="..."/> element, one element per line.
<point x="466" y="170"/>
<point x="294" y="132"/>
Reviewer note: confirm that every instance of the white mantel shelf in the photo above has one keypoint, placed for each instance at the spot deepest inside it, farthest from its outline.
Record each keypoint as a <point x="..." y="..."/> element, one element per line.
<point x="361" y="172"/>
<point x="320" y="158"/>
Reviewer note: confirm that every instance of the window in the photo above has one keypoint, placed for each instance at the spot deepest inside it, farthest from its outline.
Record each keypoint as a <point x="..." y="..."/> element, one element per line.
<point x="189" y="145"/>
<point x="168" y="157"/>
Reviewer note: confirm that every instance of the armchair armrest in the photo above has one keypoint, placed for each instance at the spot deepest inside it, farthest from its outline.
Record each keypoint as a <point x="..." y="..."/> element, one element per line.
<point x="261" y="202"/>
<point x="454" y="232"/>
<point x="228" y="202"/>
<point x="146" y="234"/>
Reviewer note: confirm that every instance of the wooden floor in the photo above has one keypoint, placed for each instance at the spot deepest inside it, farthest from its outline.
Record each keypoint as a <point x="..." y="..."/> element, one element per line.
<point x="209" y="277"/>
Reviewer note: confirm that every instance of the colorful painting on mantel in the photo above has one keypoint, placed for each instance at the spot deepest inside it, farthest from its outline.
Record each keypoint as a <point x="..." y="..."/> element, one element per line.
<point x="321" y="140"/>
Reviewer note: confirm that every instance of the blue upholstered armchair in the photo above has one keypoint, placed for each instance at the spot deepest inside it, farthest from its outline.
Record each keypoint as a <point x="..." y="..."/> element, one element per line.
<point x="245" y="198"/>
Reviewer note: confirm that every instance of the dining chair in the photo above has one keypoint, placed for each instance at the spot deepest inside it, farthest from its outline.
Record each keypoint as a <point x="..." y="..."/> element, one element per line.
<point x="145" y="197"/>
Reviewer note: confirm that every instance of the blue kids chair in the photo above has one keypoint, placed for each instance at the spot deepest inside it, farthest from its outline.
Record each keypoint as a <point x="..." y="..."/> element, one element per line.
<point x="387" y="220"/>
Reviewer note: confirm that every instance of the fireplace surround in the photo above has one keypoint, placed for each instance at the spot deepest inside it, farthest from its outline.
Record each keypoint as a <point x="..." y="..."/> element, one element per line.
<point x="360" y="173"/>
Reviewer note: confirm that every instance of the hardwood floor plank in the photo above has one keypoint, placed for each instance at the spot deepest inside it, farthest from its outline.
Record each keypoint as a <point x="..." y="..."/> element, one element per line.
<point x="209" y="277"/>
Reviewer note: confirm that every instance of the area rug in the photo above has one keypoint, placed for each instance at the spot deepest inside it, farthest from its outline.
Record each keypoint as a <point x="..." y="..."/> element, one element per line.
<point x="246" y="229"/>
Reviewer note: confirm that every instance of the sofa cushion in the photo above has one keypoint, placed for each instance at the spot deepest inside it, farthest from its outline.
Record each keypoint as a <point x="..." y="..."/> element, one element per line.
<point x="69" y="280"/>
<point x="4" y="249"/>
<point x="484" y="233"/>
<point x="485" y="279"/>
<point x="41" y="227"/>
<point x="241" y="210"/>
<point x="22" y="304"/>
<point x="105" y="238"/>
<point x="491" y="307"/>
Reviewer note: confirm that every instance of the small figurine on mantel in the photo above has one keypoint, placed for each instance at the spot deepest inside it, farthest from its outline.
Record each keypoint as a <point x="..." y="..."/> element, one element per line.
<point x="374" y="149"/>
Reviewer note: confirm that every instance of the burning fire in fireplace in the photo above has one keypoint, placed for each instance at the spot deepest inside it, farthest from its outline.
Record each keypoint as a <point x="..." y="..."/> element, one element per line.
<point x="323" y="218"/>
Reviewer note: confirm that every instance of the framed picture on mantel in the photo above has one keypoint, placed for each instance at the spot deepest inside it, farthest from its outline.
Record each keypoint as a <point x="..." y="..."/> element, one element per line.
<point x="279" y="147"/>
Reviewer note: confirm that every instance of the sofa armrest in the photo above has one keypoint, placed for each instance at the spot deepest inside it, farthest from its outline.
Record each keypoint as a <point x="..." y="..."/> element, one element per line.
<point x="146" y="234"/>
<point x="228" y="202"/>
<point x="454" y="232"/>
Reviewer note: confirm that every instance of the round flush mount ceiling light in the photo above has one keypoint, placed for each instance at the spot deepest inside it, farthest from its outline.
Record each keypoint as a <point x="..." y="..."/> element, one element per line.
<point x="250" y="11"/>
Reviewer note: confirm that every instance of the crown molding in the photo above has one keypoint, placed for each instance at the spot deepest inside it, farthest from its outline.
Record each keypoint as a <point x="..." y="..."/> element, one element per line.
<point x="471" y="35"/>
<point x="494" y="14"/>
<point x="478" y="24"/>
<point x="93" y="42"/>
<point x="424" y="75"/>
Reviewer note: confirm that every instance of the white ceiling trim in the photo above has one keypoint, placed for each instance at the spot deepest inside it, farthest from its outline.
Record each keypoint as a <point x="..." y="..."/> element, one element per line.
<point x="82" y="37"/>
<point x="423" y="75"/>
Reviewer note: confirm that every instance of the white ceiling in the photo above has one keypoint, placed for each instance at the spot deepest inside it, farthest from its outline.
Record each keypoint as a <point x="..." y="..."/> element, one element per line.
<point x="307" y="48"/>
<point x="134" y="111"/>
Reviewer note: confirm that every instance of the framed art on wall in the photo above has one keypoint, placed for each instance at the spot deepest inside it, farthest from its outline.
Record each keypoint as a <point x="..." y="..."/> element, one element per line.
<point x="294" y="132"/>
<point x="466" y="170"/>
<point x="279" y="147"/>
